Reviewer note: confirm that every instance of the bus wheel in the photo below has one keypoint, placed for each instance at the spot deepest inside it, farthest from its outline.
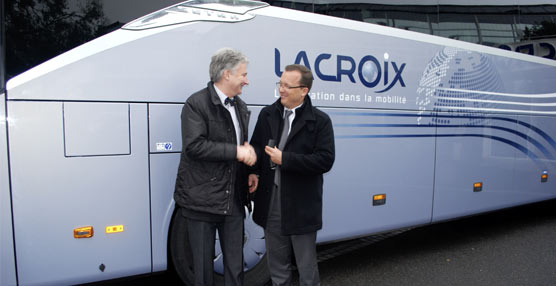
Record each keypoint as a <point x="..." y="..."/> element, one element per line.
<point x="254" y="254"/>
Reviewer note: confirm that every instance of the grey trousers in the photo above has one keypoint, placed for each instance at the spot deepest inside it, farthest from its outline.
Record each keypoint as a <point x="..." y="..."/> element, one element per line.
<point x="202" y="236"/>
<point x="279" y="256"/>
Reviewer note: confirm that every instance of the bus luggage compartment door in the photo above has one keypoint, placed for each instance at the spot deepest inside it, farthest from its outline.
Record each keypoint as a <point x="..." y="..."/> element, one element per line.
<point x="75" y="165"/>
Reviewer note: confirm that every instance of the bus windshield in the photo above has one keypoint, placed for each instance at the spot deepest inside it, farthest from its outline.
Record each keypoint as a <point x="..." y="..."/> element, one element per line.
<point x="197" y="10"/>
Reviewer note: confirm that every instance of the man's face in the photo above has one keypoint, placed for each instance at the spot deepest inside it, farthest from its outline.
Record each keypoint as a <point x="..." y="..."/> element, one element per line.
<point x="291" y="95"/>
<point x="237" y="79"/>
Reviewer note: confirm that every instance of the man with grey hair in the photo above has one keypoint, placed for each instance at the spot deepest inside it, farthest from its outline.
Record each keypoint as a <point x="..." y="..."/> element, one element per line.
<point x="211" y="185"/>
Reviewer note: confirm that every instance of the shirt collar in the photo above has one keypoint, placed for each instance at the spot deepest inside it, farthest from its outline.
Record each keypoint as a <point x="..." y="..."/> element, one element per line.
<point x="221" y="95"/>
<point x="293" y="109"/>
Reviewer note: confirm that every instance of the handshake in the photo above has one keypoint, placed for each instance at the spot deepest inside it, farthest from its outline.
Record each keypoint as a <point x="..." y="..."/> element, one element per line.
<point x="246" y="154"/>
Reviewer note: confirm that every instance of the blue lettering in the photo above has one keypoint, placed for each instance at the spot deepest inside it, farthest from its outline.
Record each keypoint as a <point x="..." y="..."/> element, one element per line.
<point x="360" y="71"/>
<point x="349" y="72"/>
<point x="551" y="50"/>
<point x="397" y="78"/>
<point x="385" y="73"/>
<point x="277" y="63"/>
<point x="398" y="73"/>
<point x="302" y="56"/>
<point x="505" y="47"/>
<point x="529" y="48"/>
<point x="370" y="71"/>
<point x="322" y="76"/>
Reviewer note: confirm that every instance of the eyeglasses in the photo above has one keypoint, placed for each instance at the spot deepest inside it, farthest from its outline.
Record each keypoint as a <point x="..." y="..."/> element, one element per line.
<point x="285" y="86"/>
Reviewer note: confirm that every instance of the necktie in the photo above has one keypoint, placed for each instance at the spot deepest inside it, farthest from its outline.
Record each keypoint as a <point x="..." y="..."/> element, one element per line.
<point x="283" y="139"/>
<point x="230" y="101"/>
<point x="285" y="130"/>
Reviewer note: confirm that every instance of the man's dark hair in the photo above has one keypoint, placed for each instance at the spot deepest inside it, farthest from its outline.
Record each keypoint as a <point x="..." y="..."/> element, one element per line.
<point x="306" y="75"/>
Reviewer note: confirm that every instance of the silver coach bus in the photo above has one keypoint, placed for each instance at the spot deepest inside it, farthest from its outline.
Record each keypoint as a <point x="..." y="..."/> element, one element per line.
<point x="427" y="129"/>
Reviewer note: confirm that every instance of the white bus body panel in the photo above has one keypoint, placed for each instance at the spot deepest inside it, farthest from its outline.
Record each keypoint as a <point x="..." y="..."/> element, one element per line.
<point x="54" y="194"/>
<point x="7" y="255"/>
<point x="165" y="148"/>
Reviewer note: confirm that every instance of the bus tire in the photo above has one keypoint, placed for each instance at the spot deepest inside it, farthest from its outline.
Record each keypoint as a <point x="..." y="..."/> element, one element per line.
<point x="181" y="258"/>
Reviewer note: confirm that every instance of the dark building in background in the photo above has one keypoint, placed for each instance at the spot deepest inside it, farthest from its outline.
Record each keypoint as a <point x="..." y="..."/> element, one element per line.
<point x="37" y="30"/>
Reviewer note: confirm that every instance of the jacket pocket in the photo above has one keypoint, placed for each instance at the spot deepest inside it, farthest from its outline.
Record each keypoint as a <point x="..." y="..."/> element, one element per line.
<point x="209" y="196"/>
<point x="198" y="174"/>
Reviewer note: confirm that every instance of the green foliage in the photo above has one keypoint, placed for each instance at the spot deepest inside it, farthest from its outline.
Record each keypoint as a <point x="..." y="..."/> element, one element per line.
<point x="37" y="30"/>
<point x="546" y="29"/>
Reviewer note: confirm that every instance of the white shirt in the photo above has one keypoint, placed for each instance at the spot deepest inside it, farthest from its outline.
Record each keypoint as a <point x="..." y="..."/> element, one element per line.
<point x="233" y="114"/>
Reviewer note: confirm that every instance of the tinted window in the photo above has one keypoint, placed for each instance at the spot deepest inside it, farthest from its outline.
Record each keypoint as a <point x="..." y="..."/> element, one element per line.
<point x="524" y="28"/>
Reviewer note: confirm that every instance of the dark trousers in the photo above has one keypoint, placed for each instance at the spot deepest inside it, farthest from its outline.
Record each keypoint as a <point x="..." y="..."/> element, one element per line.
<point x="279" y="255"/>
<point x="202" y="236"/>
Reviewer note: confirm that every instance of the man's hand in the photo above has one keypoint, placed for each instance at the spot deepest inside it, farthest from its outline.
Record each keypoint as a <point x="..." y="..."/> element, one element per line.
<point x="246" y="154"/>
<point x="275" y="154"/>
<point x="253" y="183"/>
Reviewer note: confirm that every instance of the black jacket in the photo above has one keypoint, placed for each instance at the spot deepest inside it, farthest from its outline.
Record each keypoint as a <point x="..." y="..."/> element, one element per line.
<point x="206" y="180"/>
<point x="308" y="153"/>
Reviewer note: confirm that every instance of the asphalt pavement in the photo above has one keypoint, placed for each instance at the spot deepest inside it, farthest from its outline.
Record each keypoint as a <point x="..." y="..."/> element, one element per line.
<point x="510" y="247"/>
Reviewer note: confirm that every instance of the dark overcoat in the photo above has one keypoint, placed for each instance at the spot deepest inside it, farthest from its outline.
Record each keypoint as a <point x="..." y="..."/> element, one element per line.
<point x="206" y="179"/>
<point x="307" y="155"/>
